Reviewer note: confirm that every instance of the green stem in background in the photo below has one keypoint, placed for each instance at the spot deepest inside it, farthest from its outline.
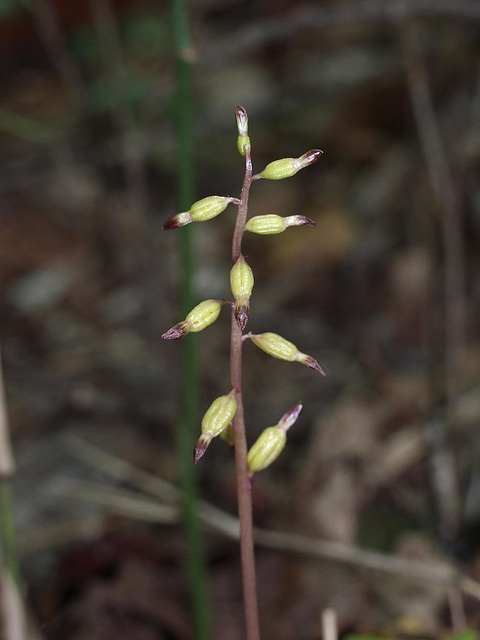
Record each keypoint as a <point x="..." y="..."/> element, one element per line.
<point x="24" y="128"/>
<point x="7" y="529"/>
<point x="12" y="616"/>
<point x="190" y="377"/>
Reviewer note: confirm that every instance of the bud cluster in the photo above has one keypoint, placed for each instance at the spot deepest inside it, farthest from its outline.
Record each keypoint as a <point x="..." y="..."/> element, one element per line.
<point x="219" y="420"/>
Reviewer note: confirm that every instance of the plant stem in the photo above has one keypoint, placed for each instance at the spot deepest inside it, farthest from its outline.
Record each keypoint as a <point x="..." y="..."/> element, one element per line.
<point x="242" y="208"/>
<point x="243" y="486"/>
<point x="190" y="378"/>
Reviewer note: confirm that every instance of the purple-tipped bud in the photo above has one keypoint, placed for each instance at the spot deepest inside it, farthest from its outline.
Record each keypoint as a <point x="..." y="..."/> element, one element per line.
<point x="310" y="157"/>
<point x="290" y="417"/>
<point x="241" y="281"/>
<point x="299" y="221"/>
<point x="178" y="331"/>
<point x="217" y="418"/>
<point x="242" y="121"/>
<point x="201" y="447"/>
<point x="242" y="311"/>
<point x="310" y="362"/>
<point x="279" y="347"/>
<point x="271" y="441"/>
<point x="178" y="220"/>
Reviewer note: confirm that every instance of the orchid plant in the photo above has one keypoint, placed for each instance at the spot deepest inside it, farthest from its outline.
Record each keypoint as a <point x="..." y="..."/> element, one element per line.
<point x="225" y="416"/>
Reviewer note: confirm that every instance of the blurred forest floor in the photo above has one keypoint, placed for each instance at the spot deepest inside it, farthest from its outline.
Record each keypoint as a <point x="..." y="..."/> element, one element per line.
<point x="384" y="292"/>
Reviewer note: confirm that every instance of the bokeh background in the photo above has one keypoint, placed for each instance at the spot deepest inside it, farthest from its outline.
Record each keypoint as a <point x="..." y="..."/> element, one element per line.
<point x="384" y="292"/>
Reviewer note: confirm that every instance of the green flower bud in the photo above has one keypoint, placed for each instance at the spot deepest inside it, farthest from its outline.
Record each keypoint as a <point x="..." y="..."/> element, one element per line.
<point x="271" y="223"/>
<point x="242" y="143"/>
<point x="215" y="421"/>
<point x="241" y="282"/>
<point x="266" y="449"/>
<point x="199" y="317"/>
<point x="272" y="441"/>
<point x="209" y="207"/>
<point x="267" y="224"/>
<point x="288" y="167"/>
<point x="228" y="436"/>
<point x="202" y="210"/>
<point x="283" y="349"/>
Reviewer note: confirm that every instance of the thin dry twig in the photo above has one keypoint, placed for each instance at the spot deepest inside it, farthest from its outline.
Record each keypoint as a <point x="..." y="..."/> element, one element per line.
<point x="7" y="462"/>
<point x="131" y="145"/>
<point x="13" y="623"/>
<point x="254" y="36"/>
<point x="443" y="186"/>
<point x="329" y="625"/>
<point x="457" y="610"/>
<point x="228" y="525"/>
<point x="447" y="201"/>
<point x="55" y="43"/>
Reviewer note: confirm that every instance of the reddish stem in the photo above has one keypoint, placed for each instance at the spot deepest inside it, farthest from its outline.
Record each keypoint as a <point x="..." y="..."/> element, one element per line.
<point x="243" y="488"/>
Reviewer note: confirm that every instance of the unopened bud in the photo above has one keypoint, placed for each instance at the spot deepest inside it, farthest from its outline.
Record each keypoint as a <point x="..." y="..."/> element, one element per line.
<point x="208" y="208"/>
<point x="283" y="349"/>
<point x="267" y="224"/>
<point x="242" y="121"/>
<point x="242" y="143"/>
<point x="309" y="158"/>
<point x="228" y="436"/>
<point x="215" y="421"/>
<point x="241" y="282"/>
<point x="266" y="449"/>
<point x="288" y="167"/>
<point x="272" y="441"/>
<point x="200" y="211"/>
<point x="178" y="220"/>
<point x="299" y="221"/>
<point x="289" y="417"/>
<point x="180" y="330"/>
<point x="198" y="319"/>
<point x="271" y="223"/>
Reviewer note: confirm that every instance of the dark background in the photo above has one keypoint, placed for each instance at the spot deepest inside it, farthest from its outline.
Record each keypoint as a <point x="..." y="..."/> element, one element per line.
<point x="384" y="292"/>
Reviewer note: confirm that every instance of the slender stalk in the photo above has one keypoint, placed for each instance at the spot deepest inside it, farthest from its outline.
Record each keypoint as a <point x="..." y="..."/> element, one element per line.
<point x="190" y="376"/>
<point x="243" y="485"/>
